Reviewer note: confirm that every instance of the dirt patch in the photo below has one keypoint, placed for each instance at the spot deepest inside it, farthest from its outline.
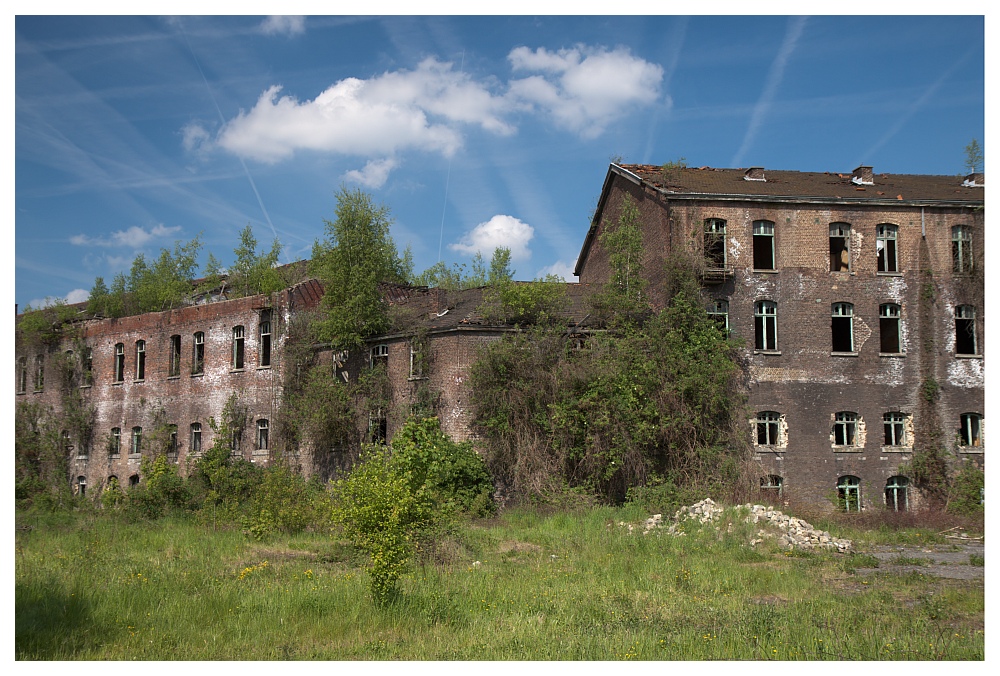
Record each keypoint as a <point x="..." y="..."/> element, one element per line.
<point x="515" y="547"/>
<point x="947" y="561"/>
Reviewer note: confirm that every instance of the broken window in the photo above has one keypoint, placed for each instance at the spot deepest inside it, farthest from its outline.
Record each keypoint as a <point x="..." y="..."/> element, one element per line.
<point x="971" y="433"/>
<point x="965" y="330"/>
<point x="885" y="247"/>
<point x="845" y="427"/>
<point x="380" y="356"/>
<point x="196" y="437"/>
<point x="767" y="428"/>
<point x="133" y="481"/>
<point x="88" y="367"/>
<point x="842" y="327"/>
<point x="175" y="356"/>
<point x="895" y="429"/>
<point x="763" y="245"/>
<point x="265" y="338"/>
<point x="22" y="375"/>
<point x="140" y="360"/>
<point x="39" y="373"/>
<point x="237" y="347"/>
<point x="236" y="441"/>
<point x="773" y="486"/>
<point x="888" y="328"/>
<point x="115" y="443"/>
<point x="896" y="498"/>
<point x="119" y="362"/>
<point x="67" y="442"/>
<point x="849" y="493"/>
<point x="416" y="359"/>
<point x="81" y="486"/>
<point x="262" y="433"/>
<point x="840" y="247"/>
<point x="715" y="243"/>
<point x="765" y="315"/>
<point x="136" y="441"/>
<point x="961" y="249"/>
<point x="377" y="427"/>
<point x="198" y="359"/>
<point x="718" y="310"/>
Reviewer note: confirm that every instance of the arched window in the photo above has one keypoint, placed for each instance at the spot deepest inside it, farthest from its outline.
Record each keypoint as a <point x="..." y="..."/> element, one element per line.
<point x="896" y="498"/>
<point x="849" y="493"/>
<point x="380" y="355"/>
<point x="765" y="316"/>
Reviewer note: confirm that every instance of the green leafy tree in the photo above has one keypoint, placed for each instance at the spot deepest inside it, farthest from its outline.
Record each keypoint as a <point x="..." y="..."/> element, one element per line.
<point x="521" y="303"/>
<point x="974" y="157"/>
<point x="623" y="298"/>
<point x="254" y="273"/>
<point x="97" y="302"/>
<point x="356" y="256"/>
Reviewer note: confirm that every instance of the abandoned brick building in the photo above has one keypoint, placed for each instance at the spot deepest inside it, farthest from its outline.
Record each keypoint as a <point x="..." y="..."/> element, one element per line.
<point x="854" y="294"/>
<point x="859" y="298"/>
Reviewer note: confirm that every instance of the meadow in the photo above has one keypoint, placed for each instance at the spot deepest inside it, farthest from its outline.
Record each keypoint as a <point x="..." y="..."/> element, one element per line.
<point x="526" y="585"/>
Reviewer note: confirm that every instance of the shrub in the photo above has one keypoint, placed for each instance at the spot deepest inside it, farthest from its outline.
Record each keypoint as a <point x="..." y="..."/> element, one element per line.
<point x="967" y="491"/>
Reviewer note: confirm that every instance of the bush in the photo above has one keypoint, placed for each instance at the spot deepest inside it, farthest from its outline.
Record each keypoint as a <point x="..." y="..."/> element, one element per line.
<point x="967" y="491"/>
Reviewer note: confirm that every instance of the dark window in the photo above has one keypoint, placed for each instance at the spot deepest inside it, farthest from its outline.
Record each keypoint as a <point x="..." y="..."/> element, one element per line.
<point x="262" y="433"/>
<point x="965" y="330"/>
<point x="196" y="437"/>
<point x="377" y="427"/>
<point x="380" y="356"/>
<point x="88" y="366"/>
<point x="715" y="243"/>
<point x="136" y="440"/>
<point x="971" y="433"/>
<point x="140" y="360"/>
<point x="81" y="486"/>
<point x="119" y="362"/>
<point x="172" y="445"/>
<point x="175" y="355"/>
<point x="772" y="486"/>
<point x="895" y="430"/>
<point x="718" y="310"/>
<point x="888" y="327"/>
<point x="849" y="493"/>
<point x="265" y="339"/>
<point x="765" y="317"/>
<point x="767" y="428"/>
<point x="236" y="441"/>
<point x="896" y="498"/>
<point x="840" y="247"/>
<point x="845" y="428"/>
<point x="39" y="373"/>
<point x="416" y="359"/>
<point x="237" y="347"/>
<point x="842" y="327"/>
<point x="763" y="245"/>
<point x="67" y="442"/>
<point x="961" y="249"/>
<point x="133" y="481"/>
<point x="115" y="442"/>
<point x="885" y="246"/>
<point x="198" y="359"/>
<point x="22" y="374"/>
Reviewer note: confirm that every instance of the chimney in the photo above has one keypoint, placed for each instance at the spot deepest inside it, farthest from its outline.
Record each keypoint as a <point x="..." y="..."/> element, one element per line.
<point x="754" y="174"/>
<point x="863" y="176"/>
<point x="977" y="180"/>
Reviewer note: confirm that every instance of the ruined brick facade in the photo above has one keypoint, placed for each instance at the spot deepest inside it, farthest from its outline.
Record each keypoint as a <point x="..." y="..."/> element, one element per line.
<point x="840" y="359"/>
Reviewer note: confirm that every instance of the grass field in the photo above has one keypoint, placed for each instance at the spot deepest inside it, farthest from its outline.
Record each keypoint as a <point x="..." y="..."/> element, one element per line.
<point x="524" y="586"/>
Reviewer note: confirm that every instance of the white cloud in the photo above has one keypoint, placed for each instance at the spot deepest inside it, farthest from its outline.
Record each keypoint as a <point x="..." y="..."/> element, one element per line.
<point x="195" y="136"/>
<point x="135" y="237"/>
<point x="559" y="269"/>
<point x="77" y="296"/>
<point x="283" y="25"/>
<point x="584" y="88"/>
<point x="499" y="231"/>
<point x="373" y="175"/>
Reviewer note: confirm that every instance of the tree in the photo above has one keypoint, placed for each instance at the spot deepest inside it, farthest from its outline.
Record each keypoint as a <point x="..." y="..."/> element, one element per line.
<point x="254" y="273"/>
<point x="624" y="296"/>
<point x="508" y="302"/>
<point x="356" y="256"/>
<point x="97" y="302"/>
<point x="974" y="157"/>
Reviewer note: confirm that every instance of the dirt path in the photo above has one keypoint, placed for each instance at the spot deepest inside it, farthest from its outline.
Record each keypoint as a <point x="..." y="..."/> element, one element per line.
<point x="947" y="561"/>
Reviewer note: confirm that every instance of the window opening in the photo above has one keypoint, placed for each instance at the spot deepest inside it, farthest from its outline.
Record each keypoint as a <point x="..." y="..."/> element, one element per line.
<point x="965" y="330"/>
<point x="136" y="440"/>
<point x="172" y="445"/>
<point x="115" y="445"/>
<point x="119" y="362"/>
<point x="140" y="360"/>
<point x="196" y="437"/>
<point x="198" y="360"/>
<point x="235" y="442"/>
<point x="849" y="493"/>
<point x="67" y="442"/>
<point x="763" y="245"/>
<point x="896" y="497"/>
<point x="765" y="316"/>
<point x="237" y="347"/>
<point x="715" y="243"/>
<point x="840" y="253"/>
<point x="767" y="428"/>
<point x="88" y="366"/>
<point x="377" y="427"/>
<point x="842" y="327"/>
<point x="961" y="249"/>
<point x="39" y="373"/>
<point x="719" y="312"/>
<point x="380" y="355"/>
<point x="81" y="486"/>
<point x="895" y="431"/>
<point x="772" y="485"/>
<point x="262" y="433"/>
<point x="845" y="428"/>
<point x="133" y="481"/>
<point x="175" y="355"/>
<point x="265" y="339"/>
<point x="22" y="375"/>
<point x="971" y="433"/>
<point x="888" y="328"/>
<point x="885" y="247"/>
<point x="416" y="359"/>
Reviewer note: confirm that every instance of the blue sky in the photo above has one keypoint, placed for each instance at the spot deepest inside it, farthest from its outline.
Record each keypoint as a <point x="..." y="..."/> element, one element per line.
<point x="134" y="132"/>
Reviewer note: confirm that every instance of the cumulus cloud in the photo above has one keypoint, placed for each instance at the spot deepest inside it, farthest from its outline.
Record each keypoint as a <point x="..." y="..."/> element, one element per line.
<point x="560" y="269"/>
<point x="77" y="296"/>
<point x="135" y="237"/>
<point x="373" y="175"/>
<point x="194" y="137"/>
<point x="584" y="88"/>
<point x="501" y="230"/>
<point x="283" y="25"/>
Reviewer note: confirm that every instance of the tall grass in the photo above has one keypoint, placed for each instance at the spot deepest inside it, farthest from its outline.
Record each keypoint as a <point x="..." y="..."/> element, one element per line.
<point x="546" y="586"/>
